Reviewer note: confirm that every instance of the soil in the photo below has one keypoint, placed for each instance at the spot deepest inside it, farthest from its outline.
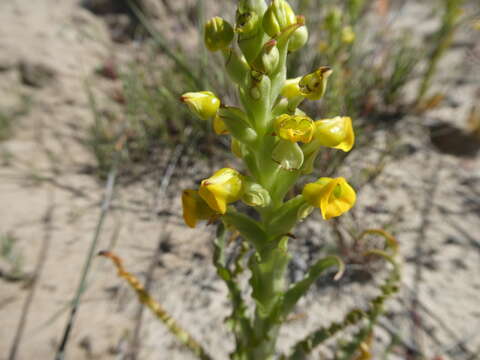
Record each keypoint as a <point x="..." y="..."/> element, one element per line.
<point x="428" y="197"/>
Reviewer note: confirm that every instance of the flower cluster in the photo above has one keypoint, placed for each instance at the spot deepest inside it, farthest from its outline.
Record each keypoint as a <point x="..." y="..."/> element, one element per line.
<point x="277" y="141"/>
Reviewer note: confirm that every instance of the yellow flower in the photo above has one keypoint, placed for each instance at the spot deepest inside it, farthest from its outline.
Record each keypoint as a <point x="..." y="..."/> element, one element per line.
<point x="291" y="89"/>
<point x="195" y="208"/>
<point x="332" y="196"/>
<point x="221" y="189"/>
<point x="348" y="35"/>
<point x="204" y="104"/>
<point x="294" y="128"/>
<point x="313" y="85"/>
<point x="336" y="133"/>
<point x="218" y="34"/>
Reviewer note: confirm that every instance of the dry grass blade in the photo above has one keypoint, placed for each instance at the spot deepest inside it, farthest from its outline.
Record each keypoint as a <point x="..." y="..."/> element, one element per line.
<point x="156" y="308"/>
<point x="42" y="256"/>
<point x="109" y="187"/>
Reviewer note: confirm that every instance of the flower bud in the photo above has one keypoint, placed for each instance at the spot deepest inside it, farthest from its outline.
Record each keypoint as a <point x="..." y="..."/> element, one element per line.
<point x="246" y="22"/>
<point x="313" y="85"/>
<point x="267" y="61"/>
<point x="332" y="196"/>
<point x="204" y="104"/>
<point x="294" y="128"/>
<point x="298" y="39"/>
<point x="291" y="89"/>
<point x="278" y="17"/>
<point x="218" y="34"/>
<point x="222" y="188"/>
<point x="336" y="133"/>
<point x="255" y="195"/>
<point x="195" y="208"/>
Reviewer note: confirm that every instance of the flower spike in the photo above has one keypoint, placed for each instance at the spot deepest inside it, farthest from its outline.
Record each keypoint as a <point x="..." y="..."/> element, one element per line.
<point x="332" y="196"/>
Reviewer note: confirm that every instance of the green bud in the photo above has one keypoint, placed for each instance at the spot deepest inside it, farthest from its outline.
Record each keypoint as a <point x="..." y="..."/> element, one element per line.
<point x="246" y="22"/>
<point x="250" y="34"/>
<point x="218" y="34"/>
<point x="236" y="66"/>
<point x="255" y="195"/>
<point x="268" y="59"/>
<point x="204" y="104"/>
<point x="298" y="39"/>
<point x="278" y="17"/>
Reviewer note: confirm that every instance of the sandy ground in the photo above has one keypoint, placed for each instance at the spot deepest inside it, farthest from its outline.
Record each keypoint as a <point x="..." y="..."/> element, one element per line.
<point x="430" y="200"/>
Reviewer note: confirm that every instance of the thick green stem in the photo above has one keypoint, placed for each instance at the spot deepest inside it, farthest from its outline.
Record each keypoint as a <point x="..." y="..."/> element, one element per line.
<point x="268" y="283"/>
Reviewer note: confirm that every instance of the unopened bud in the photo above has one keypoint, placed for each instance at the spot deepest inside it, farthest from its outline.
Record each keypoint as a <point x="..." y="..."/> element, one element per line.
<point x="268" y="59"/>
<point x="278" y="17"/>
<point x="218" y="34"/>
<point x="298" y="39"/>
<point x="204" y="104"/>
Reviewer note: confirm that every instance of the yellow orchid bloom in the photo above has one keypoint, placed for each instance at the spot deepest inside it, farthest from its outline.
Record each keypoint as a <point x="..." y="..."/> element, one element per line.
<point x="336" y="133"/>
<point x="294" y="128"/>
<point x="332" y="196"/>
<point x="221" y="189"/>
<point x="204" y="104"/>
<point x="313" y="85"/>
<point x="291" y="89"/>
<point x="195" y="208"/>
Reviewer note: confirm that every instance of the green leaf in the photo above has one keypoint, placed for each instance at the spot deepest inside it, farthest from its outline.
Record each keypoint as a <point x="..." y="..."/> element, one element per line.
<point x="286" y="217"/>
<point x="250" y="229"/>
<point x="300" y="288"/>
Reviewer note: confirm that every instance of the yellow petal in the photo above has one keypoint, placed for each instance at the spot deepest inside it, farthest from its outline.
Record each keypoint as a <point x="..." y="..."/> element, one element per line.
<point x="204" y="104"/>
<point x="333" y="196"/>
<point x="195" y="208"/>
<point x="336" y="133"/>
<point x="294" y="128"/>
<point x="290" y="88"/>
<point x="221" y="189"/>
